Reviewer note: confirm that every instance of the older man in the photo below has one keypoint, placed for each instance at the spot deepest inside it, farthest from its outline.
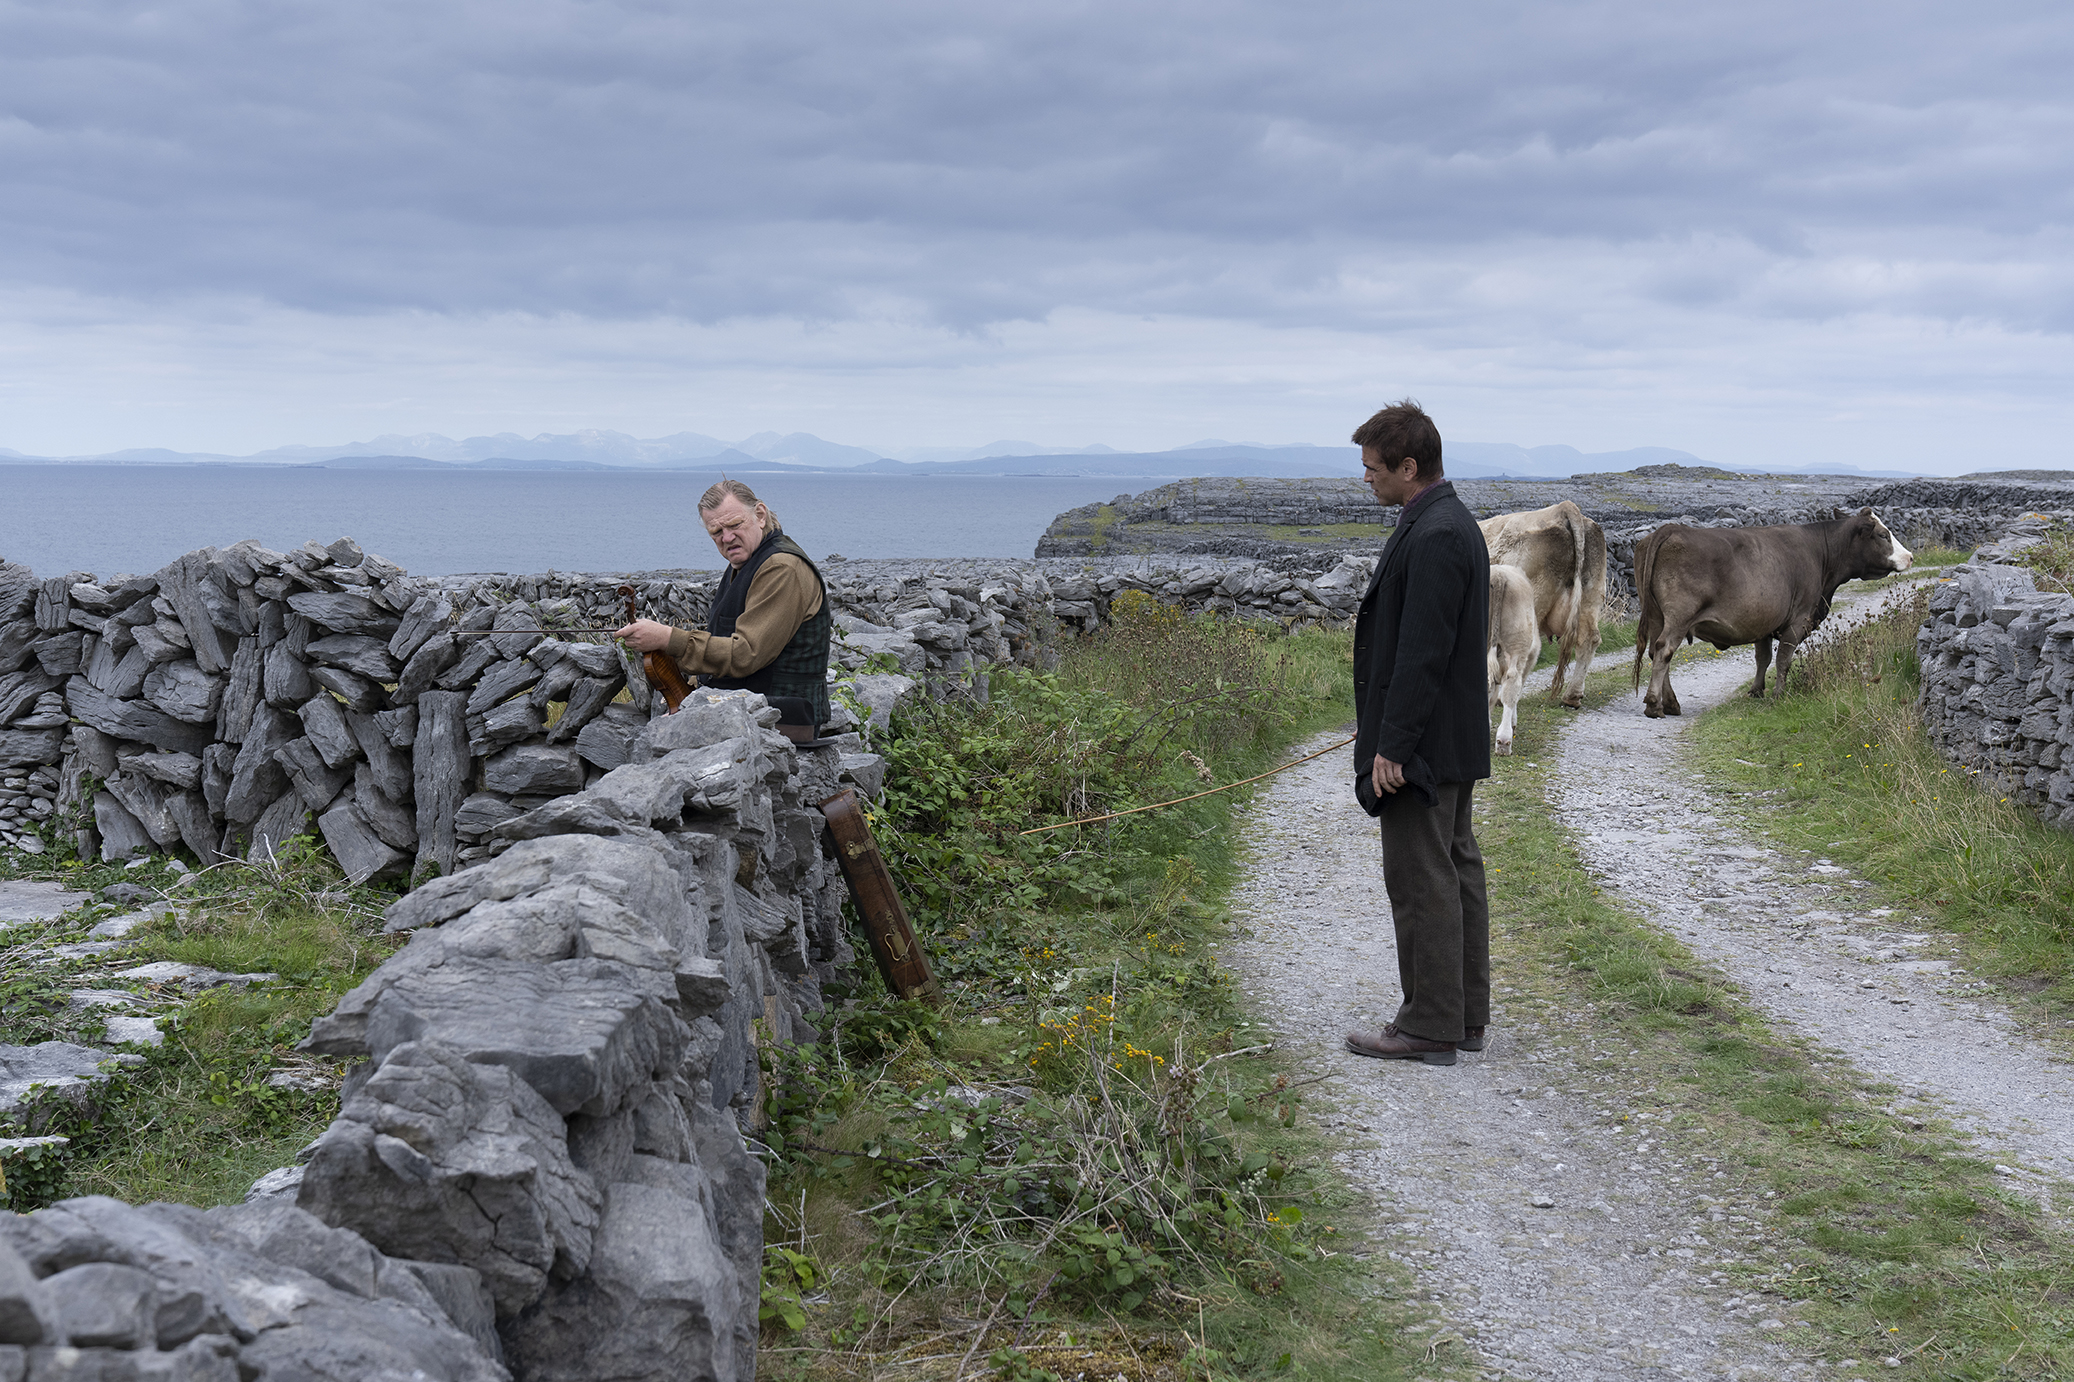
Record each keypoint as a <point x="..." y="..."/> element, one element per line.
<point x="768" y="628"/>
<point x="1424" y="739"/>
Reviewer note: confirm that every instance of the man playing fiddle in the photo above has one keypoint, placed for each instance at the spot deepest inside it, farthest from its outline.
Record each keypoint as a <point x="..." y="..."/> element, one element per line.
<point x="768" y="628"/>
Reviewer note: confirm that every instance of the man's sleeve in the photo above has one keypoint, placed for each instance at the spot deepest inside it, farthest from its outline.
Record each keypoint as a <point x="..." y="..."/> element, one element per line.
<point x="783" y="596"/>
<point x="1436" y="586"/>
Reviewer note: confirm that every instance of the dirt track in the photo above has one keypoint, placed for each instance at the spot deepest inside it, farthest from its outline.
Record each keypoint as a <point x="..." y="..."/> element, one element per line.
<point x="1875" y="987"/>
<point x="1557" y="1241"/>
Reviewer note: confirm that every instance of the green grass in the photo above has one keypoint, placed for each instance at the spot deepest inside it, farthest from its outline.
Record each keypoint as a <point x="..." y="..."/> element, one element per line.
<point x="2053" y="559"/>
<point x="197" y="1122"/>
<point x="1615" y="635"/>
<point x="1899" y="1242"/>
<point x="1934" y="554"/>
<point x="1071" y="987"/>
<point x="1841" y="767"/>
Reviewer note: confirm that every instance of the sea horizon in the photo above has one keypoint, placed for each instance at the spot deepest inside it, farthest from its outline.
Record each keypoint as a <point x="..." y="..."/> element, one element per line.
<point x="113" y="519"/>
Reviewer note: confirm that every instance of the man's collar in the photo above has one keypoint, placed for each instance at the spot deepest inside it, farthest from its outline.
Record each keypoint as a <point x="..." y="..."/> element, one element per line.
<point x="1421" y="499"/>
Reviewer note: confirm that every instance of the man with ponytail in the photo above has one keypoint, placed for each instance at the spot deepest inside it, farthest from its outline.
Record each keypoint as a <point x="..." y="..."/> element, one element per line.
<point x="769" y="624"/>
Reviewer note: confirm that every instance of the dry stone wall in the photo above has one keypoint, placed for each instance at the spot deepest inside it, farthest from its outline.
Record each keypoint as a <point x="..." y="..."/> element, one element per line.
<point x="946" y="621"/>
<point x="553" y="1074"/>
<point x="217" y="704"/>
<point x="1997" y="657"/>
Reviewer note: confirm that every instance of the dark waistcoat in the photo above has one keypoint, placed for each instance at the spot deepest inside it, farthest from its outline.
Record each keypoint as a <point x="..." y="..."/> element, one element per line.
<point x="801" y="666"/>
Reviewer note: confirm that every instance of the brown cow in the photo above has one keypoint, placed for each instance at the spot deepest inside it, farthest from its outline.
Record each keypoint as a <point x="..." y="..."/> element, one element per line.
<point x="1731" y="586"/>
<point x="1564" y="555"/>
<point x="1514" y="644"/>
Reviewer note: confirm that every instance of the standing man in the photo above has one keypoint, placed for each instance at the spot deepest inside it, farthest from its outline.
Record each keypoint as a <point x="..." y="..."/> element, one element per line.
<point x="1420" y="688"/>
<point x="768" y="628"/>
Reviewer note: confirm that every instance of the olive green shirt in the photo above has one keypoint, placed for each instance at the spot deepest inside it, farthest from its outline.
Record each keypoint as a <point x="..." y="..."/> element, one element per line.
<point x="783" y="596"/>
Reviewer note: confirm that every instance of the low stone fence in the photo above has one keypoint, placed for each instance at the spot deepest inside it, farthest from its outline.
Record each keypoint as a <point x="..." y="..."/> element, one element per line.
<point x="538" y="1170"/>
<point x="944" y="620"/>
<point x="218" y="702"/>
<point x="554" y="1066"/>
<point x="1997" y="657"/>
<point x="555" y="1071"/>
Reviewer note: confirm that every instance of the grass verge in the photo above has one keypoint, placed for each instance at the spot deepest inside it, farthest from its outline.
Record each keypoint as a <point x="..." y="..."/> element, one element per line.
<point x="1086" y="1162"/>
<point x="1895" y="1241"/>
<point x="224" y="1097"/>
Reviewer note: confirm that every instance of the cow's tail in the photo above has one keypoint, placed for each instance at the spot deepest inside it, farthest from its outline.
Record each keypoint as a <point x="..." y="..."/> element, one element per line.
<point x="1580" y="540"/>
<point x="1649" y="621"/>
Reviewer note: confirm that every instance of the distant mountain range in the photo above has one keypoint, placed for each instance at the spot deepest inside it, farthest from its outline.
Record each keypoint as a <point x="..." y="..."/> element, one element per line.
<point x="803" y="452"/>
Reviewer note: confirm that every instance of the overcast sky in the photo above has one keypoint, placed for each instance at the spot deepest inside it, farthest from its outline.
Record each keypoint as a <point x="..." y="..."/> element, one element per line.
<point x="1758" y="232"/>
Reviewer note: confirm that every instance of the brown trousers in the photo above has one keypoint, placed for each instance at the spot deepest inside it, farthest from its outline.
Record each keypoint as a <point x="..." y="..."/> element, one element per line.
<point x="1433" y="873"/>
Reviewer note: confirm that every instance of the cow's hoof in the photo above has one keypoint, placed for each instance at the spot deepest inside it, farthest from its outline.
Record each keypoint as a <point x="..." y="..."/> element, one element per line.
<point x="1505" y="747"/>
<point x="1575" y="701"/>
<point x="1757" y="693"/>
<point x="1653" y="712"/>
<point x="1673" y="709"/>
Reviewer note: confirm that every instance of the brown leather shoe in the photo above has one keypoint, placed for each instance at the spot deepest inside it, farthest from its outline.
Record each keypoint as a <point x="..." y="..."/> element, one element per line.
<point x="1391" y="1044"/>
<point x="1472" y="1039"/>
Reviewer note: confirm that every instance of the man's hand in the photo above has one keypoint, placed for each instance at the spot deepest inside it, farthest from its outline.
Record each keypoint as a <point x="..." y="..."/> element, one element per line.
<point x="1387" y="776"/>
<point x="645" y="636"/>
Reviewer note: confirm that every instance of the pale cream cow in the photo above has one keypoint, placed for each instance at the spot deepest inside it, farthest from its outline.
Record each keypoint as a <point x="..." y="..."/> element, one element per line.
<point x="1563" y="555"/>
<point x="1515" y="644"/>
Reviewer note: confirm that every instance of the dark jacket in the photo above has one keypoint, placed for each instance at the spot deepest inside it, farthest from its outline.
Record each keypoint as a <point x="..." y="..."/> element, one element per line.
<point x="1420" y="641"/>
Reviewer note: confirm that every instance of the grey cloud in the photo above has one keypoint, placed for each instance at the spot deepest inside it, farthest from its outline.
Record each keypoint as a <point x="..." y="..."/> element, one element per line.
<point x="973" y="165"/>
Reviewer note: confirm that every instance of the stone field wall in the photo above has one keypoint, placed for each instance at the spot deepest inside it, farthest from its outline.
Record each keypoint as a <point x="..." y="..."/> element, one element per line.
<point x="538" y="1170"/>
<point x="1997" y="657"/>
<point x="944" y="620"/>
<point x="553" y="1073"/>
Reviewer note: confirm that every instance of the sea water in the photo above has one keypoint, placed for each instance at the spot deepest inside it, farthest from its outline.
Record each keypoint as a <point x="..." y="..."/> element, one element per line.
<point x="108" y="519"/>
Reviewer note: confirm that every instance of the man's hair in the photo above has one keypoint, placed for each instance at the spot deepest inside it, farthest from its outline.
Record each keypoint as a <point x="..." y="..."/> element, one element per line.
<point x="1403" y="430"/>
<point x="711" y="500"/>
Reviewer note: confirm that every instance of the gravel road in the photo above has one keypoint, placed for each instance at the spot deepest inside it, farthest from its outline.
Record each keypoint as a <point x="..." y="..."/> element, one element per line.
<point x="1873" y="986"/>
<point x="1557" y="1240"/>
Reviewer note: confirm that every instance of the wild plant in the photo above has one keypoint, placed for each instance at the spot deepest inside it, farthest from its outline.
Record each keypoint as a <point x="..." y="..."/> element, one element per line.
<point x="2052" y="560"/>
<point x="1116" y="1184"/>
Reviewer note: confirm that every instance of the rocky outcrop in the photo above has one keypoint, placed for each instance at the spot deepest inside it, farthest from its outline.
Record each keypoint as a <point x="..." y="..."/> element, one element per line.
<point x="1269" y="517"/>
<point x="1997" y="658"/>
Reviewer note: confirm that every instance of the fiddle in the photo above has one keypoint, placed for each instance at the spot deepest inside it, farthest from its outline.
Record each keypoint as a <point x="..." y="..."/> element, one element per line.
<point x="658" y="666"/>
